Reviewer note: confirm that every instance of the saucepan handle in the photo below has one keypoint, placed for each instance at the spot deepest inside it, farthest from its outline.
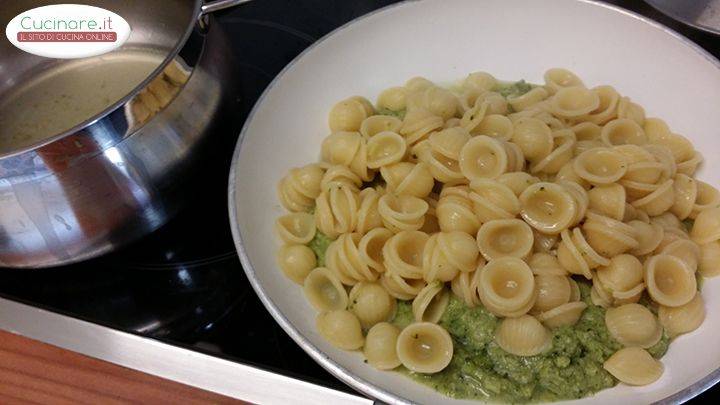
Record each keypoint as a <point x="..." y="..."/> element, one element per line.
<point x="212" y="6"/>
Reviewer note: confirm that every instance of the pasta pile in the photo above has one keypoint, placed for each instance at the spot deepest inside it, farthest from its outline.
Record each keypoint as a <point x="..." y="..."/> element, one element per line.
<point x="500" y="194"/>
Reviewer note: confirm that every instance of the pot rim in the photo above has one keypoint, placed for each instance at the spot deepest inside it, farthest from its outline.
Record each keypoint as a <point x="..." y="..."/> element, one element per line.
<point x="197" y="8"/>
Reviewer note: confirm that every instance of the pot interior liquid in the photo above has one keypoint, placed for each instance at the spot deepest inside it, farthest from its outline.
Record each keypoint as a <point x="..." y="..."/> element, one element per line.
<point x="60" y="98"/>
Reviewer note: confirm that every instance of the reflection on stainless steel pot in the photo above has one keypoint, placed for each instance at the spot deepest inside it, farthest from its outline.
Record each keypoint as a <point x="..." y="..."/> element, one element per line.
<point x="115" y="176"/>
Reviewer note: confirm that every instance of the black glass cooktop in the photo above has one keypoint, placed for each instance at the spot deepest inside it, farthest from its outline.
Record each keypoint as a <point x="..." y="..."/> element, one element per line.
<point x="184" y="284"/>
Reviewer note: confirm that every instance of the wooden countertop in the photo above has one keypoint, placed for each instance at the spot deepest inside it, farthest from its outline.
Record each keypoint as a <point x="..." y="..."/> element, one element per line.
<point x="33" y="372"/>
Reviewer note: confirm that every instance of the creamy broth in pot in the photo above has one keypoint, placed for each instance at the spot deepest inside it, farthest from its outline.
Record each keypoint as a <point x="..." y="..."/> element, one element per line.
<point x="62" y="97"/>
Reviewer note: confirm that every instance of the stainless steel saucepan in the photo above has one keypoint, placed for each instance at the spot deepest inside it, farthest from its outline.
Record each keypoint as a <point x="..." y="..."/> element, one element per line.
<point x="115" y="176"/>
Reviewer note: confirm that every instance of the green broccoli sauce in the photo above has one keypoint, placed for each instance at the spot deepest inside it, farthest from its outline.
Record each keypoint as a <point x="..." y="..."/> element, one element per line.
<point x="513" y="89"/>
<point x="319" y="245"/>
<point x="384" y="111"/>
<point x="480" y="369"/>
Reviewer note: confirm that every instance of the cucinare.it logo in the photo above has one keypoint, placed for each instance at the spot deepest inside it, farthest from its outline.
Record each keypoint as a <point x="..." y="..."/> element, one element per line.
<point x="67" y="31"/>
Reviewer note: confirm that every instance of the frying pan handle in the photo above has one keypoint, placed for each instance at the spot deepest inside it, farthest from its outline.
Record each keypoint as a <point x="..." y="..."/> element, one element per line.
<point x="212" y="6"/>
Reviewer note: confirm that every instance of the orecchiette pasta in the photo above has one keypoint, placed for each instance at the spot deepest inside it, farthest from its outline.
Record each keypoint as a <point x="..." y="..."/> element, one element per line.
<point x="586" y="131"/>
<point x="600" y="166"/>
<point x="393" y="99"/>
<point x="534" y="138"/>
<point x="622" y="131"/>
<point x="473" y="116"/>
<point x="529" y="99"/>
<point x="465" y="285"/>
<point x="296" y="261"/>
<point x="523" y="336"/>
<point x="343" y="257"/>
<point x="455" y="211"/>
<point x="576" y="255"/>
<point x="507" y="287"/>
<point x="399" y="287"/>
<point x="481" y="81"/>
<point x="683" y="319"/>
<point x="609" y="236"/>
<point x="348" y="114"/>
<point x="658" y="201"/>
<point x="574" y="101"/>
<point x="380" y="347"/>
<point x="670" y="235"/>
<point x="449" y="142"/>
<point x="430" y="303"/>
<point x="645" y="172"/>
<point x="669" y="281"/>
<point x="324" y="290"/>
<point x="442" y="168"/>
<point x="563" y="147"/>
<point x="493" y="200"/>
<point x="336" y="210"/>
<point x="495" y="126"/>
<point x="685" y="250"/>
<point x="341" y="147"/>
<point x="447" y="253"/>
<point x="299" y="189"/>
<point x="633" y="325"/>
<point x="484" y="157"/>
<point x="439" y="101"/>
<point x="599" y="296"/>
<point x="634" y="366"/>
<point x="408" y="178"/>
<point x="582" y="146"/>
<point x="418" y="124"/>
<point x="341" y="328"/>
<point x="338" y="175"/>
<point x="385" y="148"/>
<point x="623" y="273"/>
<point x="667" y="221"/>
<point x="608" y="200"/>
<point x="706" y="228"/>
<point x="505" y="238"/>
<point x="685" y="194"/>
<point x="558" y="78"/>
<point x="370" y="248"/>
<point x="707" y="197"/>
<point x="545" y="264"/>
<point x="709" y="265"/>
<point x="402" y="212"/>
<point x="567" y="174"/>
<point x="517" y="181"/>
<point x="606" y="110"/>
<point x="296" y="228"/>
<point x="664" y="156"/>
<point x="628" y="109"/>
<point x="630" y="296"/>
<point x="552" y="291"/>
<point x="548" y="207"/>
<point x="690" y="166"/>
<point x="563" y="315"/>
<point x="377" y="124"/>
<point x="544" y="242"/>
<point x="403" y="253"/>
<point x="424" y="347"/>
<point x="368" y="216"/>
<point x="418" y="83"/>
<point x="371" y="303"/>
